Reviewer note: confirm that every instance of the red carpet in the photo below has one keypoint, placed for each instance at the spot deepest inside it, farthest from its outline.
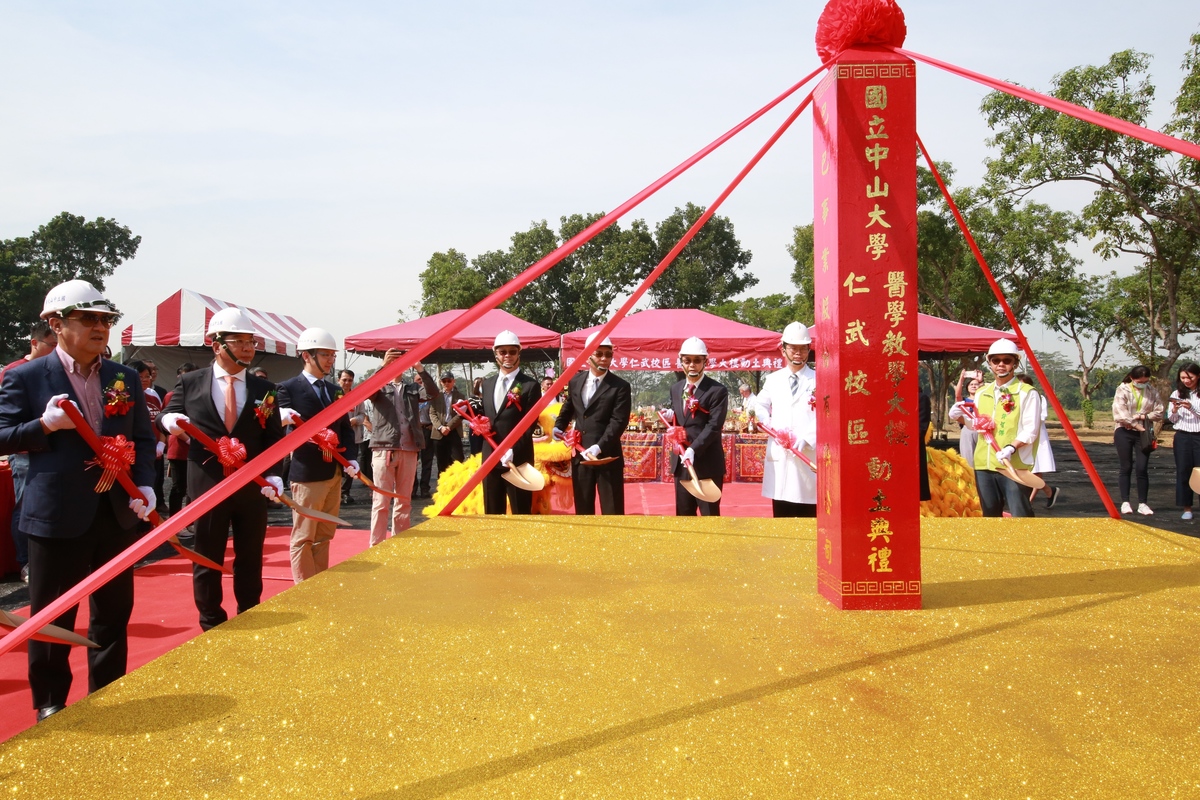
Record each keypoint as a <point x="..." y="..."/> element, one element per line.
<point x="164" y="615"/>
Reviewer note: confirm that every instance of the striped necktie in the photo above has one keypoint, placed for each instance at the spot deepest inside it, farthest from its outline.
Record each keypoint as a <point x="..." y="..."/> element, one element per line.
<point x="795" y="382"/>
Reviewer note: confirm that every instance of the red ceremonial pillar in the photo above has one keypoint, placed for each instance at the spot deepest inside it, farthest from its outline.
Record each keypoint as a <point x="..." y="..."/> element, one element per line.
<point x="865" y="234"/>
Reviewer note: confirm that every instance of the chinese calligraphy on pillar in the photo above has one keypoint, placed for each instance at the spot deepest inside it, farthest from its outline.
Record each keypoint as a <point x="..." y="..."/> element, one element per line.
<point x="865" y="241"/>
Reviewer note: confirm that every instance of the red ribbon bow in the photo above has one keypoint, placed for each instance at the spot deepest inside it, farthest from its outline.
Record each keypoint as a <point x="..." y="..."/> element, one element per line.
<point x="479" y="425"/>
<point x="328" y="442"/>
<point x="573" y="439"/>
<point x="116" y="455"/>
<point x="231" y="453"/>
<point x="983" y="423"/>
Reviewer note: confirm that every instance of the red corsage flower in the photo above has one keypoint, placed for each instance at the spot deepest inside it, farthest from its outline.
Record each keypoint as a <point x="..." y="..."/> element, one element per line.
<point x="693" y="405"/>
<point x="1006" y="402"/>
<point x="116" y="398"/>
<point x="265" y="408"/>
<point x="513" y="398"/>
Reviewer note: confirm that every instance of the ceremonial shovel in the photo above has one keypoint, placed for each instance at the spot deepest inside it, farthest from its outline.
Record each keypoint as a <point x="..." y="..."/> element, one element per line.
<point x="122" y="476"/>
<point x="212" y="447"/>
<point x="785" y="441"/>
<point x="523" y="476"/>
<point x="341" y="459"/>
<point x="707" y="489"/>
<point x="51" y="633"/>
<point x="573" y="437"/>
<point x="1021" y="476"/>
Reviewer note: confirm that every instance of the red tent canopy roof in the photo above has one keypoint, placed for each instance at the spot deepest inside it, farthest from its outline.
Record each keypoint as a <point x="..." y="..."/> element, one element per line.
<point x="477" y="337"/>
<point x="650" y="340"/>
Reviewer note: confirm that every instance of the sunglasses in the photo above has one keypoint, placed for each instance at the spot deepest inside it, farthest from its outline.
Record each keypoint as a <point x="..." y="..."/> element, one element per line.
<point x="91" y="319"/>
<point x="1002" y="360"/>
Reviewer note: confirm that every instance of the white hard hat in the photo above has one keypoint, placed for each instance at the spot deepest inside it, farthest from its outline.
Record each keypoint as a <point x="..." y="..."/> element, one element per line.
<point x="506" y="338"/>
<point x="1004" y="347"/>
<point x="230" y="320"/>
<point x="76" y="295"/>
<point x="316" y="339"/>
<point x="592" y="337"/>
<point x="795" y="333"/>
<point x="693" y="346"/>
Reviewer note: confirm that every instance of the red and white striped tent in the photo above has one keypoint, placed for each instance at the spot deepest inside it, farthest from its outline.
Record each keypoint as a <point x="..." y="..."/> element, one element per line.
<point x="176" y="332"/>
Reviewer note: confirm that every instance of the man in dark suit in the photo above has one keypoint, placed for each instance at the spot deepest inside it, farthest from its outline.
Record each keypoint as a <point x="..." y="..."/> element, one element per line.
<point x="223" y="400"/>
<point x="447" y="424"/>
<point x="598" y="402"/>
<point x="315" y="477"/>
<point x="698" y="404"/>
<point x="506" y="397"/>
<point x="73" y="526"/>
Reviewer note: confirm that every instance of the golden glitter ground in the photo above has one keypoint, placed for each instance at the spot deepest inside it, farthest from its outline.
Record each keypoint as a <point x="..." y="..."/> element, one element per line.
<point x="652" y="657"/>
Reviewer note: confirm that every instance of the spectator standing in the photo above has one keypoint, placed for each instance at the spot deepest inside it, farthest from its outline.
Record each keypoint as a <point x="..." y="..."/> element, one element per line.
<point x="1184" y="413"/>
<point x="177" y="455"/>
<point x="42" y="341"/>
<point x="154" y="403"/>
<point x="748" y="397"/>
<point x="1136" y="407"/>
<point x="357" y="417"/>
<point x="425" y="471"/>
<point x="967" y="436"/>
<point x="447" y="424"/>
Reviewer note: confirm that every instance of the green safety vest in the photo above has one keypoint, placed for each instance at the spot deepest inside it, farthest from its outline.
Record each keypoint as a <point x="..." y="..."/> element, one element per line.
<point x="1006" y="424"/>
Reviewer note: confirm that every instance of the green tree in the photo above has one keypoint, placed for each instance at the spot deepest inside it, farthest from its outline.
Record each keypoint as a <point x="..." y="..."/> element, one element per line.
<point x="711" y="269"/>
<point x="449" y="282"/>
<point x="1144" y="202"/>
<point x="1082" y="309"/>
<point x="65" y="248"/>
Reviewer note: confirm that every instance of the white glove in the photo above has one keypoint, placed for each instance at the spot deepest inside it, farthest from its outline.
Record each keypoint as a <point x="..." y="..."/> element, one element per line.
<point x="54" y="418"/>
<point x="274" y="488"/>
<point x="556" y="435"/>
<point x="159" y="449"/>
<point x="289" y="417"/>
<point x="688" y="457"/>
<point x="170" y="423"/>
<point x="592" y="453"/>
<point x="669" y="416"/>
<point x="1006" y="453"/>
<point x="507" y="459"/>
<point x="351" y="469"/>
<point x="143" y="507"/>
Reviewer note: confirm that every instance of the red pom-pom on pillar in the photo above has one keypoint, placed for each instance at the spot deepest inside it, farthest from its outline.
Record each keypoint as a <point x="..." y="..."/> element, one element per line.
<point x="859" y="23"/>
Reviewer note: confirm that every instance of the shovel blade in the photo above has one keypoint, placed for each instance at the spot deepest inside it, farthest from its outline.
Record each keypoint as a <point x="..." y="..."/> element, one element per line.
<point x="525" y="476"/>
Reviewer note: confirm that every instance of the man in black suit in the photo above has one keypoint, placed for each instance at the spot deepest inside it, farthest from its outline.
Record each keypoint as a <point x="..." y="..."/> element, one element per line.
<point x="507" y="396"/>
<point x="75" y="527"/>
<point x="315" y="477"/>
<point x="223" y="400"/>
<point x="698" y="404"/>
<point x="598" y="402"/>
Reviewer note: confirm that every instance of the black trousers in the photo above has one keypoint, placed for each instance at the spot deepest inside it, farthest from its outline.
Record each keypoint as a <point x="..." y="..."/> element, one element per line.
<point x="246" y="513"/>
<point x="686" y="505"/>
<point x="782" y="508"/>
<point x="425" y="472"/>
<point x="449" y="450"/>
<point x="496" y="491"/>
<point x="1130" y="455"/>
<point x="1186" y="447"/>
<point x="364" y="459"/>
<point x="609" y="480"/>
<point x="160" y="478"/>
<point x="178" y="485"/>
<point x="56" y="565"/>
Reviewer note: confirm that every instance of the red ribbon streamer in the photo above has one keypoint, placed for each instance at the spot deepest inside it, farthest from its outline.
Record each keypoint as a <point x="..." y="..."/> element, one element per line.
<point x="263" y="461"/>
<point x="115" y="456"/>
<point x="1070" y="109"/>
<point x="787" y="440"/>
<point x="1097" y="483"/>
<point x="606" y="329"/>
<point x="231" y="453"/>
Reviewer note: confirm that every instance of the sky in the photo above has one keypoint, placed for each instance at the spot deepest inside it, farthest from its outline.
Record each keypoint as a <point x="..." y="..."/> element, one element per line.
<point x="308" y="158"/>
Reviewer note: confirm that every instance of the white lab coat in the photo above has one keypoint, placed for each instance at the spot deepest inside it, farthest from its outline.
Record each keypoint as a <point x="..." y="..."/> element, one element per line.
<point x="786" y="477"/>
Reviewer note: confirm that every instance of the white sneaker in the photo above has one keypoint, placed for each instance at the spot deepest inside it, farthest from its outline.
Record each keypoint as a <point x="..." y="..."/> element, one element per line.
<point x="1145" y="510"/>
<point x="1126" y="508"/>
<point x="1186" y="515"/>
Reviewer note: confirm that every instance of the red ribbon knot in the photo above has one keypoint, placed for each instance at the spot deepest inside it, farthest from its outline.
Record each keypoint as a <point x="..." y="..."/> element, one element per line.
<point x="231" y="453"/>
<point x="116" y="455"/>
<point x="573" y="439"/>
<point x="328" y="442"/>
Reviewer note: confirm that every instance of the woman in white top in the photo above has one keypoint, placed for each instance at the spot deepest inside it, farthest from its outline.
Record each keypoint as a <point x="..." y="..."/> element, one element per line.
<point x="1184" y="412"/>
<point x="966" y="435"/>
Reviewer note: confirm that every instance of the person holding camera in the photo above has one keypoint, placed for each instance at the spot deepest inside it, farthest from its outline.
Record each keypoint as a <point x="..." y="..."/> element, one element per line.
<point x="967" y="437"/>
<point x="396" y="438"/>
<point x="1184" y="413"/>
